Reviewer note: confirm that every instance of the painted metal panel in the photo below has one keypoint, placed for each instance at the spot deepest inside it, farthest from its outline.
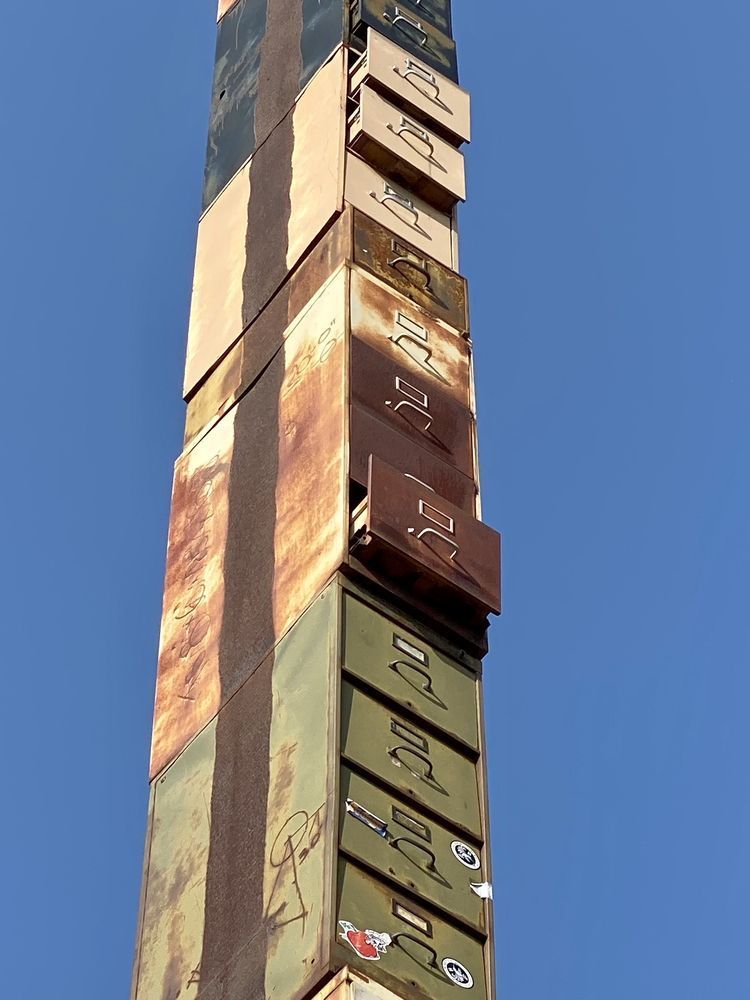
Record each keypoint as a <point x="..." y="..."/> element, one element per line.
<point x="412" y="531"/>
<point x="265" y="220"/>
<point x="412" y="762"/>
<point x="370" y="436"/>
<point x="399" y="843"/>
<point x="431" y="286"/>
<point x="415" y="674"/>
<point x="422" y="946"/>
<point x="267" y="51"/>
<point x="241" y="871"/>
<point x="413" y="406"/>
<point x="399" y="209"/>
<point x="257" y="525"/>
<point x="405" y="150"/>
<point x="409" y="82"/>
<point x="438" y="12"/>
<point x="393" y="325"/>
<point x="408" y="29"/>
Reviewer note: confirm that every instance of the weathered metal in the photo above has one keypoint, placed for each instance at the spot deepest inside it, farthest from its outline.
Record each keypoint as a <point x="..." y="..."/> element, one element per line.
<point x="267" y="51"/>
<point x="413" y="406"/>
<point x="406" y="151"/>
<point x="422" y="942"/>
<point x="399" y="661"/>
<point x="412" y="534"/>
<point x="408" y="29"/>
<point x="265" y="219"/>
<point x="438" y="12"/>
<point x="399" y="209"/>
<point x="399" y="843"/>
<point x="391" y="748"/>
<point x="407" y="81"/>
<point x="257" y="526"/>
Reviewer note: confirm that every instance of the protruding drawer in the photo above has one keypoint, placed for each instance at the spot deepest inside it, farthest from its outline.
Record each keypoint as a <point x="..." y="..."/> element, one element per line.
<point x="410" y="671"/>
<point x="391" y="324"/>
<point x="417" y="765"/>
<point x="419" y="954"/>
<point x="409" y="82"/>
<point x="398" y="209"/>
<point x="411" y="30"/>
<point x="405" y="150"/>
<point x="430" y="285"/>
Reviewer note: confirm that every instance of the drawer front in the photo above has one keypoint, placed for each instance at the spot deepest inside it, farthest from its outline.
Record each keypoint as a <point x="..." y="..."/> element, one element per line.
<point x="418" y="766"/>
<point x="411" y="31"/>
<point x="412" y="406"/>
<point x="392" y="325"/>
<point x="262" y="64"/>
<point x="430" y="285"/>
<point x="432" y="537"/>
<point x="405" y="150"/>
<point x="409" y="82"/>
<point x="410" y="671"/>
<point x="370" y="436"/>
<point x="437" y="12"/>
<point x="413" y="951"/>
<point x="398" y="209"/>
<point x="398" y="842"/>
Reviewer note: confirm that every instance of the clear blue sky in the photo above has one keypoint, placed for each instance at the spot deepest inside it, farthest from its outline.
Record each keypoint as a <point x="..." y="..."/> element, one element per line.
<point x="606" y="238"/>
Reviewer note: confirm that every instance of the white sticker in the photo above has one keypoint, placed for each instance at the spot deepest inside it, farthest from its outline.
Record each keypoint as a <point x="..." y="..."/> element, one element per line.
<point x="458" y="974"/>
<point x="465" y="854"/>
<point x="482" y="889"/>
<point x="368" y="944"/>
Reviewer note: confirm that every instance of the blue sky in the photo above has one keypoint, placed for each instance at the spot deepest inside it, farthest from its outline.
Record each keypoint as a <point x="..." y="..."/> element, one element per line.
<point x="606" y="240"/>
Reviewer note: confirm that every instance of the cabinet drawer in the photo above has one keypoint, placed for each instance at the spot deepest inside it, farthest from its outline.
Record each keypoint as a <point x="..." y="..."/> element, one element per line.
<point x="430" y="285"/>
<point x="418" y="953"/>
<point x="419" y="766"/>
<point x="406" y="151"/>
<point x="400" y="843"/>
<point x="410" y="671"/>
<point x="409" y="82"/>
<point x="412" y="31"/>
<point x="437" y="12"/>
<point x="398" y="209"/>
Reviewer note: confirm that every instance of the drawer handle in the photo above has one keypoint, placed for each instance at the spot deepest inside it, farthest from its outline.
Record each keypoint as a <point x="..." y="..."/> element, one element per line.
<point x="431" y="864"/>
<point x="433" y="961"/>
<point x="427" y="775"/>
<point x="390" y="195"/>
<point x="427" y="686"/>
<point x="417" y="409"/>
<point x="411" y="129"/>
<point x="400" y="18"/>
<point x="414" y="69"/>
<point x="417" y="267"/>
<point x="441" y="537"/>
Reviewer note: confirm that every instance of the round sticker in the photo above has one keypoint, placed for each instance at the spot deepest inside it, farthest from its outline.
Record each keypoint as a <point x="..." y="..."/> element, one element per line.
<point x="465" y="854"/>
<point x="457" y="973"/>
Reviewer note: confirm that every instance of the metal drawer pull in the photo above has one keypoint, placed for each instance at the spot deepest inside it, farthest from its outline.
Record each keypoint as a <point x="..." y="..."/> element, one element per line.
<point x="417" y="267"/>
<point x="390" y="195"/>
<point x="411" y="129"/>
<point x="427" y="775"/>
<point x="419" y="410"/>
<point x="427" y="686"/>
<point x="400" y="18"/>
<point x="440" y="536"/>
<point x="433" y="962"/>
<point x="431" y="864"/>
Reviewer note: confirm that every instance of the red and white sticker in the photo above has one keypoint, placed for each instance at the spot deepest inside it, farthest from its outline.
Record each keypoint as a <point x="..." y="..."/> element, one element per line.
<point x="368" y="944"/>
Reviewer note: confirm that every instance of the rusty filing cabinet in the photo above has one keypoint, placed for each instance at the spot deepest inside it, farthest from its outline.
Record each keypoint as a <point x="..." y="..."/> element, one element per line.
<point x="264" y="60"/>
<point x="409" y="29"/>
<point x="411" y="84"/>
<point x="406" y="150"/>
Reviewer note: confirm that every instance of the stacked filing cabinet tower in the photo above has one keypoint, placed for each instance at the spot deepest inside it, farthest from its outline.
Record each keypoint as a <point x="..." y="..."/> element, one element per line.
<point x="318" y="814"/>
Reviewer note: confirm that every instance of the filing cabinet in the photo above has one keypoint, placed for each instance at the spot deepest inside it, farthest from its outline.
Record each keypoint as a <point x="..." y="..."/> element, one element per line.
<point x="381" y="652"/>
<point x="262" y="64"/>
<point x="410" y="83"/>
<point x="418" y="766"/>
<point x="406" y="150"/>
<point x="392" y="205"/>
<point x="410" y="29"/>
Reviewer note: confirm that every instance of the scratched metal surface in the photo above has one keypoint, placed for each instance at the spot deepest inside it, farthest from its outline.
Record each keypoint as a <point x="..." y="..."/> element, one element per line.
<point x="410" y="31"/>
<point x="255" y="530"/>
<point x="267" y="51"/>
<point x="265" y="220"/>
<point x="239" y="881"/>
